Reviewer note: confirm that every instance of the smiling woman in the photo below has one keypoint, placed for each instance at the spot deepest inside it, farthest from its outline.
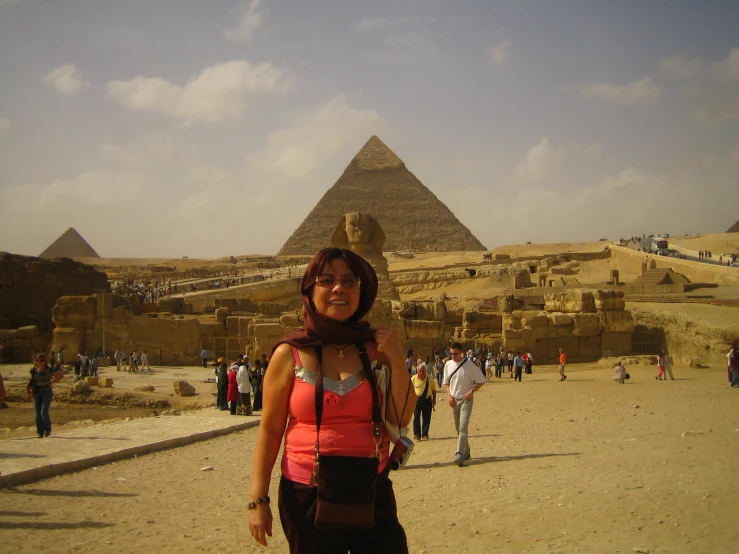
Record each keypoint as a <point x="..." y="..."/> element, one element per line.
<point x="335" y="409"/>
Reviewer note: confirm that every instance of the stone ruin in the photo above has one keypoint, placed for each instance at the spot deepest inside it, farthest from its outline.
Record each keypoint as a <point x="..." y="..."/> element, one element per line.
<point x="376" y="181"/>
<point x="29" y="289"/>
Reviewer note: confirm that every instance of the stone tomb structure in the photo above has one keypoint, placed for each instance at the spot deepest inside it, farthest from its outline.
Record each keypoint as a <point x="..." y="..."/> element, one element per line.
<point x="69" y="245"/>
<point x="361" y="233"/>
<point x="377" y="181"/>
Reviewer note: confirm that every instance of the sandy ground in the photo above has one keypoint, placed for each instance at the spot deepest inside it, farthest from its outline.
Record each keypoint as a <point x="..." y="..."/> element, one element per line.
<point x="717" y="243"/>
<point x="119" y="402"/>
<point x="586" y="465"/>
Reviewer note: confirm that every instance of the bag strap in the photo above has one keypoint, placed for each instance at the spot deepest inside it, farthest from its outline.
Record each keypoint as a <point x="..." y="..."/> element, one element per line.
<point x="426" y="388"/>
<point x="457" y="369"/>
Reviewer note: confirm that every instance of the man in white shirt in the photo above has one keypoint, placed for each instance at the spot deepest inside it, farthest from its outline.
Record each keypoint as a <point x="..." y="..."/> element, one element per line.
<point x="461" y="379"/>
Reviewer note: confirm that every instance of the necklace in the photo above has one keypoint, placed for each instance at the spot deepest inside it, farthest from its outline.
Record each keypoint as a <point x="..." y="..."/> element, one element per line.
<point x="339" y="350"/>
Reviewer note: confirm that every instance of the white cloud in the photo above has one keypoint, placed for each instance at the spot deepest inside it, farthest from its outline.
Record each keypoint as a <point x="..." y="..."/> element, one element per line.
<point x="4" y="124"/>
<point x="67" y="79"/>
<point x="251" y="20"/>
<point x="539" y="161"/>
<point x="642" y="91"/>
<point x="217" y="94"/>
<point x="500" y="53"/>
<point x="727" y="69"/>
<point x="295" y="152"/>
<point x="681" y="67"/>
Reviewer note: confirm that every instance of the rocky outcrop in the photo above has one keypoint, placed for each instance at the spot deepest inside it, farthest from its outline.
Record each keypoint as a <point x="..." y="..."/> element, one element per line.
<point x="183" y="388"/>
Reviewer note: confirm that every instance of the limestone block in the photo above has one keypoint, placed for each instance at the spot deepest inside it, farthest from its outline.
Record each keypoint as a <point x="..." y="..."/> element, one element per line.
<point x="407" y="309"/>
<point x="8" y="334"/>
<point x="608" y="300"/>
<point x="468" y="334"/>
<point x="561" y="270"/>
<point x="526" y="333"/>
<point x="420" y="329"/>
<point x="589" y="347"/>
<point x="616" y="321"/>
<point x="546" y="351"/>
<point x="69" y="338"/>
<point x="519" y="278"/>
<point x="440" y="310"/>
<point x="291" y="319"/>
<point x="535" y="320"/>
<point x="145" y="388"/>
<point x="80" y="387"/>
<point x="381" y="309"/>
<point x="558" y="318"/>
<point x="24" y="344"/>
<point x="222" y="314"/>
<point x="510" y="321"/>
<point x="425" y="310"/>
<point x="28" y="332"/>
<point x="174" y="305"/>
<point x="106" y="382"/>
<point x="183" y="388"/>
<point x="535" y="332"/>
<point x="615" y="344"/>
<point x="491" y="322"/>
<point x="513" y="344"/>
<point x="512" y="334"/>
<point x="75" y="311"/>
<point x="92" y="381"/>
<point x="560" y="331"/>
<point x="586" y="325"/>
<point x="573" y="301"/>
<point x="501" y="257"/>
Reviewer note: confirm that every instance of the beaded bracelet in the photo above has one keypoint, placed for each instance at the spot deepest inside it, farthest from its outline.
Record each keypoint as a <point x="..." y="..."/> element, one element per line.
<point x="262" y="500"/>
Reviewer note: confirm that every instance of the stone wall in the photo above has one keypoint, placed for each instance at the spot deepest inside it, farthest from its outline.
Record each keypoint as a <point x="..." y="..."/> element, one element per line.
<point x="29" y="288"/>
<point x="587" y="324"/>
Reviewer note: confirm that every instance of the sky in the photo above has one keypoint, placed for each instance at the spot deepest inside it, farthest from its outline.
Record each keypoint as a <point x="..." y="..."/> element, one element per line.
<point x="173" y="128"/>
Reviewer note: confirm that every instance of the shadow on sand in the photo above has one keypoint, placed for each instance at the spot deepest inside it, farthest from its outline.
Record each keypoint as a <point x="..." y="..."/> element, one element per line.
<point x="490" y="459"/>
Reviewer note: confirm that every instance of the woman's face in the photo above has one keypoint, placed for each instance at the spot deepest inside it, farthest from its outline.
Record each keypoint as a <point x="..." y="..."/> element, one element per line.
<point x="337" y="302"/>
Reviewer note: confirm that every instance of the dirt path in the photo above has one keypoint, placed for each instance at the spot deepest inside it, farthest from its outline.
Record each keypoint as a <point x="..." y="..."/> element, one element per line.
<point x="586" y="465"/>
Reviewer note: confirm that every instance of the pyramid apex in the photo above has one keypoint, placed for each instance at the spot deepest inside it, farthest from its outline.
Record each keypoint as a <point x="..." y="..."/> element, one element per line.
<point x="375" y="154"/>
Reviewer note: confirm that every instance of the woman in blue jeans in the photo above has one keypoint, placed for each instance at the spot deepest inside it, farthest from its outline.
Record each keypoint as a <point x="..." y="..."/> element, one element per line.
<point x="39" y="386"/>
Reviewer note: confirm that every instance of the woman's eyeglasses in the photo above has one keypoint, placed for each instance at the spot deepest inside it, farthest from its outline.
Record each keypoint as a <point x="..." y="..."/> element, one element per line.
<point x="329" y="281"/>
<point x="40" y="360"/>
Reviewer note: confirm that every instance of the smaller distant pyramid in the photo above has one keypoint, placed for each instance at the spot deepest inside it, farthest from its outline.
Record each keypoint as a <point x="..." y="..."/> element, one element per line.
<point x="734" y="228"/>
<point x="69" y="245"/>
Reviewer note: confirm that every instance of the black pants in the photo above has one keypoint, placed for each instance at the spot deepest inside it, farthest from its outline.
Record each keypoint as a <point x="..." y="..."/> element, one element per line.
<point x="232" y="405"/>
<point x="221" y="398"/>
<point x="510" y="366"/>
<point x="245" y="403"/>
<point x="422" y="417"/>
<point x="518" y="373"/>
<point x="498" y="370"/>
<point x="205" y="362"/>
<point x="297" y="504"/>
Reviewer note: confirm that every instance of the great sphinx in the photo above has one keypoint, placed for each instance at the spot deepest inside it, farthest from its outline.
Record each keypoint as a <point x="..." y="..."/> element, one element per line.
<point x="362" y="234"/>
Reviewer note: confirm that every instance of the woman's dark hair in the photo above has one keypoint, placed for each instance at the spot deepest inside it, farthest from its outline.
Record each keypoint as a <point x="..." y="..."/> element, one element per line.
<point x="360" y="268"/>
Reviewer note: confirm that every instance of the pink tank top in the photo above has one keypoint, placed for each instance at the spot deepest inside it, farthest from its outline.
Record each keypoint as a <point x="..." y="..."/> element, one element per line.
<point x="346" y="427"/>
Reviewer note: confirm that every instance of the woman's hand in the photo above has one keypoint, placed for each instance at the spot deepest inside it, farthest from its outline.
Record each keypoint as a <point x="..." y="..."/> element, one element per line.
<point x="388" y="341"/>
<point x="260" y="523"/>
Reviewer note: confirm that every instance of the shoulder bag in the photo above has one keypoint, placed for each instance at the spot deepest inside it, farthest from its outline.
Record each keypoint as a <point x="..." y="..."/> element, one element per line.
<point x="347" y="484"/>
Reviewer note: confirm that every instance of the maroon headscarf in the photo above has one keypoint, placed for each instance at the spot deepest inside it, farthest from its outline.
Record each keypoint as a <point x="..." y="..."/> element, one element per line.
<point x="319" y="329"/>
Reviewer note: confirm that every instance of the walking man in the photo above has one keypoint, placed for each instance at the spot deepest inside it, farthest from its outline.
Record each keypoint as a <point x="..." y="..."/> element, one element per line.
<point x="117" y="357"/>
<point x="425" y="387"/>
<point x="510" y="363"/>
<point x="145" y="361"/>
<point x="461" y="379"/>
<point x="204" y="355"/>
<point x="562" y="362"/>
<point x="518" y="366"/>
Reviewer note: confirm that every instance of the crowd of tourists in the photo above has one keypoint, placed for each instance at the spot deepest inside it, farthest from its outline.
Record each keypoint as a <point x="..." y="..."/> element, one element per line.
<point x="239" y="384"/>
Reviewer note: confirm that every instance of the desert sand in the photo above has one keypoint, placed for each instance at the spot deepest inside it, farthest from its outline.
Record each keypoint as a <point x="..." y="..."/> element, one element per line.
<point x="587" y="465"/>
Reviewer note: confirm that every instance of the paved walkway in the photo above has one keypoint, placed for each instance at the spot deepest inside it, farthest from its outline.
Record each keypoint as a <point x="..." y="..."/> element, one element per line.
<point x="28" y="459"/>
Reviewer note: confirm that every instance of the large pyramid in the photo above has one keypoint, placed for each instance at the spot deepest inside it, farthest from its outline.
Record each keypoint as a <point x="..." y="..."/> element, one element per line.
<point x="734" y="228"/>
<point x="69" y="245"/>
<point x="377" y="182"/>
